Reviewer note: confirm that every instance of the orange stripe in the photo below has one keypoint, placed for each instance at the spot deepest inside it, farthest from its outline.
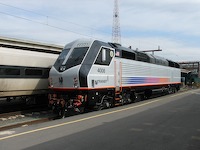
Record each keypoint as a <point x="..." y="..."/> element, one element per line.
<point x="107" y="87"/>
<point x="163" y="80"/>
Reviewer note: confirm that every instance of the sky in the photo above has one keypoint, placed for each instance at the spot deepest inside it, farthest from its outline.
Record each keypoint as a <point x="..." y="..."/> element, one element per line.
<point x="174" y="25"/>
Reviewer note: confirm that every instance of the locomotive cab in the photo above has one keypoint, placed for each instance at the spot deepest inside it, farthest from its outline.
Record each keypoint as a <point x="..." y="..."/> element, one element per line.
<point x="79" y="64"/>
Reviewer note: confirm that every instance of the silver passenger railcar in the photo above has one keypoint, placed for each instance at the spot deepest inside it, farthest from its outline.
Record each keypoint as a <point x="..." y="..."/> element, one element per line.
<point x="24" y="68"/>
<point x="95" y="74"/>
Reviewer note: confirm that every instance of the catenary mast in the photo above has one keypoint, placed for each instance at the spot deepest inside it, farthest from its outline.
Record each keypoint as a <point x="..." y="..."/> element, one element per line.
<point x="116" y="34"/>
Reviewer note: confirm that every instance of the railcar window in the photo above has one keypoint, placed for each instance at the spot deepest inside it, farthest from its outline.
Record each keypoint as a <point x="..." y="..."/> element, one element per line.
<point x="46" y="73"/>
<point x="128" y="55"/>
<point x="33" y="72"/>
<point x="109" y="56"/>
<point x="9" y="71"/>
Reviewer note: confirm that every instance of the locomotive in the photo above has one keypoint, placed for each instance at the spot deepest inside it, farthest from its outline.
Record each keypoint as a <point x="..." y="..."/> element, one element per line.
<point x="94" y="74"/>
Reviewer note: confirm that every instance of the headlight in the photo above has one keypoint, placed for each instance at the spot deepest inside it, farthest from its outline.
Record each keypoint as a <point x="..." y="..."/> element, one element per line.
<point x="50" y="82"/>
<point x="62" y="68"/>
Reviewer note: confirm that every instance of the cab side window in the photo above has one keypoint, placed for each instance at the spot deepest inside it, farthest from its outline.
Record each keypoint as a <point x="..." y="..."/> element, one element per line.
<point x="105" y="56"/>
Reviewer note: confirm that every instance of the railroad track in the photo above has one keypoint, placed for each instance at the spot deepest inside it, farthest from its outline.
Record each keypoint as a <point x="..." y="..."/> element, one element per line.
<point x="32" y="115"/>
<point x="13" y="106"/>
<point x="24" y="118"/>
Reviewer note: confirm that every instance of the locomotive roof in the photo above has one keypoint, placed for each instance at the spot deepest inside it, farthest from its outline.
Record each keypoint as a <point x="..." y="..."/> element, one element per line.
<point x="120" y="48"/>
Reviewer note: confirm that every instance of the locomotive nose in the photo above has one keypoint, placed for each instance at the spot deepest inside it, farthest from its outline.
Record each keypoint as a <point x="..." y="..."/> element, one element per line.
<point x="66" y="79"/>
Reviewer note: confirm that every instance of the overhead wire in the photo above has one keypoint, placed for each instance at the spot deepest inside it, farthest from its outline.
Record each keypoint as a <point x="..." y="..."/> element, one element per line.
<point x="51" y="17"/>
<point x="55" y="18"/>
<point x="44" y="24"/>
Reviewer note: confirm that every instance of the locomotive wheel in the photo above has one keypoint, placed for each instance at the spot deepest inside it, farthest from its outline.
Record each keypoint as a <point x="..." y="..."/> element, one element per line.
<point x="62" y="113"/>
<point x="126" y="98"/>
<point x="79" y="110"/>
<point x="103" y="104"/>
<point x="98" y="107"/>
<point x="133" y="97"/>
<point x="147" y="94"/>
<point x="59" y="112"/>
<point x="174" y="90"/>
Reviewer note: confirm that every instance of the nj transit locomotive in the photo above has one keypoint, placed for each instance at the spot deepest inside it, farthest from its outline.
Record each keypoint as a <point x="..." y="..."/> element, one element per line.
<point x="95" y="74"/>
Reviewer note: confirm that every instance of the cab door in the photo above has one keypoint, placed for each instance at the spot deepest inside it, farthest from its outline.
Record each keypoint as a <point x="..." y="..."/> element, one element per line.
<point x="102" y="72"/>
<point x="118" y="75"/>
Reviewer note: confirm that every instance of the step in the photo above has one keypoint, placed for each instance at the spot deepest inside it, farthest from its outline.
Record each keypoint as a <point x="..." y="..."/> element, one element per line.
<point x="117" y="98"/>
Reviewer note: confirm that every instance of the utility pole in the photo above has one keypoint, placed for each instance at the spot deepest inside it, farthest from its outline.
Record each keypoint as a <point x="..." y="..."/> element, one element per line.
<point x="116" y="34"/>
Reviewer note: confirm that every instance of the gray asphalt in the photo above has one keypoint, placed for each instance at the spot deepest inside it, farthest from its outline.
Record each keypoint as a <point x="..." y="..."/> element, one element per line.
<point x="168" y="123"/>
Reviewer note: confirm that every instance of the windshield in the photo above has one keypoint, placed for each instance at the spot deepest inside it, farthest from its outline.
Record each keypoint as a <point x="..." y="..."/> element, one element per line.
<point x="61" y="58"/>
<point x="76" y="57"/>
